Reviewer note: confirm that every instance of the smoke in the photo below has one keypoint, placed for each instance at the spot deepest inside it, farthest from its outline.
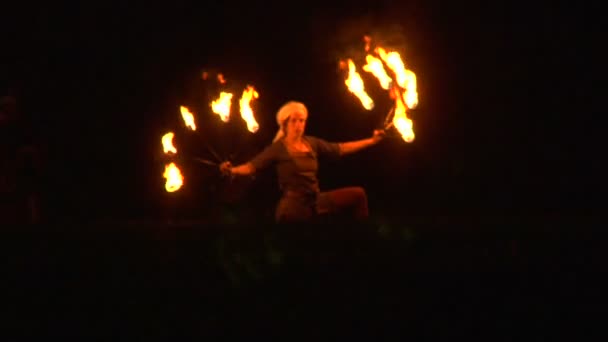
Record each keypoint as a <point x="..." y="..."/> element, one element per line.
<point x="339" y="39"/>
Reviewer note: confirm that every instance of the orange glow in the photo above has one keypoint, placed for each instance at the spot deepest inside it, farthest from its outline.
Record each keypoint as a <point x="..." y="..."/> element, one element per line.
<point x="174" y="178"/>
<point x="405" y="78"/>
<point x="396" y="78"/>
<point x="167" y="141"/>
<point x="220" y="78"/>
<point x="374" y="66"/>
<point x="188" y="118"/>
<point x="246" y="112"/>
<point x="367" y="41"/>
<point x="402" y="123"/>
<point x="355" y="85"/>
<point x="221" y="106"/>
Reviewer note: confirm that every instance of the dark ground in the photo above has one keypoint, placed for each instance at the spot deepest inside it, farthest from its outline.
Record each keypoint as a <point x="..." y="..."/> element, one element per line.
<point x="494" y="279"/>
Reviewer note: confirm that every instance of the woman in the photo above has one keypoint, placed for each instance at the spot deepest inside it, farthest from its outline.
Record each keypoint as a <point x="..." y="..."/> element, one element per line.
<point x="295" y="156"/>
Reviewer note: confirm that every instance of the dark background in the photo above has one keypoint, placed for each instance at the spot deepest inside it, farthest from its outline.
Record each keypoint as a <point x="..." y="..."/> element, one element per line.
<point x="509" y="96"/>
<point x="508" y="127"/>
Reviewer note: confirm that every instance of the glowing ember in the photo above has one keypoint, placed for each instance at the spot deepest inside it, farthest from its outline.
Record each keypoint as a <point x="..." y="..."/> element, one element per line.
<point x="174" y="178"/>
<point x="188" y="118"/>
<point x="167" y="141"/>
<point x="374" y="66"/>
<point x="354" y="82"/>
<point x="220" y="78"/>
<point x="205" y="75"/>
<point x="246" y="112"/>
<point x="367" y="41"/>
<point x="221" y="106"/>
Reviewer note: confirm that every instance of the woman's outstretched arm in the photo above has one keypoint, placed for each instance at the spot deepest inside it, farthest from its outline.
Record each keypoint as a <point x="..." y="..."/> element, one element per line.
<point x="260" y="161"/>
<point x="240" y="170"/>
<point x="357" y="145"/>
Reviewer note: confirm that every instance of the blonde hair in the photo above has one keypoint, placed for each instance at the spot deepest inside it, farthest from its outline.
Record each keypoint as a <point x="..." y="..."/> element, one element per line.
<point x="285" y="112"/>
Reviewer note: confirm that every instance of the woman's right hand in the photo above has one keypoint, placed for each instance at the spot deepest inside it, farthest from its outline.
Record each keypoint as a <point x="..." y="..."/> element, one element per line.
<point x="226" y="168"/>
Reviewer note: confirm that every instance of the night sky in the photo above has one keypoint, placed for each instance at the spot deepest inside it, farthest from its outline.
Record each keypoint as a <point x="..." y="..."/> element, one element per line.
<point x="509" y="95"/>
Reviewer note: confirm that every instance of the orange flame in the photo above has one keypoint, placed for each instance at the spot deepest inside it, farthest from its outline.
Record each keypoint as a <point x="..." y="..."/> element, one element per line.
<point x="355" y="85"/>
<point x="402" y="90"/>
<point x="374" y="66"/>
<point x="221" y="106"/>
<point x="174" y="178"/>
<point x="167" y="141"/>
<point x="205" y="75"/>
<point x="188" y="117"/>
<point x="405" y="78"/>
<point x="246" y="112"/>
<point x="410" y="93"/>
<point x="402" y="123"/>
<point x="394" y="62"/>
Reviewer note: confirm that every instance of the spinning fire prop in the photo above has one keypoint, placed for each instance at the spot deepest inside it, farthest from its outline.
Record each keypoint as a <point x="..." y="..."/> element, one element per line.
<point x="401" y="86"/>
<point x="221" y="106"/>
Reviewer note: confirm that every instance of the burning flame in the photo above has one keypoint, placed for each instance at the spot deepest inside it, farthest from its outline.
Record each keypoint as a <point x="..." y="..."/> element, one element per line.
<point x="354" y="82"/>
<point x="246" y="112"/>
<point x="221" y="106"/>
<point x="174" y="177"/>
<point x="410" y="94"/>
<point x="167" y="141"/>
<point x="402" y="88"/>
<point x="402" y="123"/>
<point x="205" y="75"/>
<point x="374" y="66"/>
<point x="405" y="78"/>
<point x="188" y="117"/>
<point x="394" y="62"/>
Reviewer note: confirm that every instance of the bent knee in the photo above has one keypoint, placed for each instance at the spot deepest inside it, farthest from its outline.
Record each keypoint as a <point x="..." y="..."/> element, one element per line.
<point x="358" y="191"/>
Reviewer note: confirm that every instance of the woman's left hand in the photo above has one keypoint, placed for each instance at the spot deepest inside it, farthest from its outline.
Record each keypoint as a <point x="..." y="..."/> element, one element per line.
<point x="379" y="134"/>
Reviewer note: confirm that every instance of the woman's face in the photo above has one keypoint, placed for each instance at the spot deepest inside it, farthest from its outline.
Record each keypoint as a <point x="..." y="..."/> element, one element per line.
<point x="296" y="124"/>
